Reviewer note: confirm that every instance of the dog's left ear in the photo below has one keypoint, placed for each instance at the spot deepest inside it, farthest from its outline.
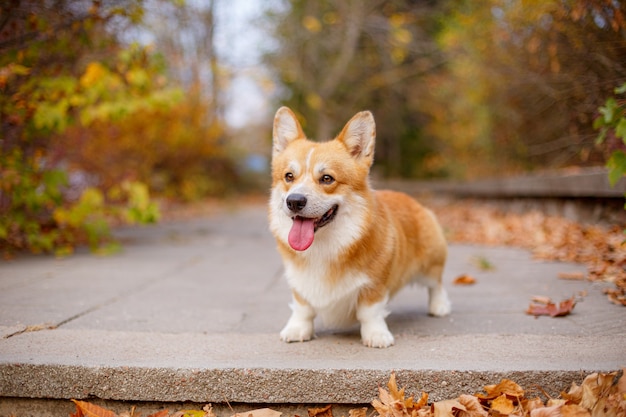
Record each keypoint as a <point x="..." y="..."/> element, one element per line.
<point x="359" y="136"/>
<point x="286" y="130"/>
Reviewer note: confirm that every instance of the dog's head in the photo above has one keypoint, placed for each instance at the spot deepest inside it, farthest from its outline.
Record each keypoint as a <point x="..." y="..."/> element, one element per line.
<point x="315" y="185"/>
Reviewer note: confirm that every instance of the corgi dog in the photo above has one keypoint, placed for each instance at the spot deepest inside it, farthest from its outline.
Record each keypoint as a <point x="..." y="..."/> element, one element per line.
<point x="346" y="248"/>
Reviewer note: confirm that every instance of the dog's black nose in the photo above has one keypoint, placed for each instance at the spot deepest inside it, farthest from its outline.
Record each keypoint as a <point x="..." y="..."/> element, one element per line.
<point x="296" y="202"/>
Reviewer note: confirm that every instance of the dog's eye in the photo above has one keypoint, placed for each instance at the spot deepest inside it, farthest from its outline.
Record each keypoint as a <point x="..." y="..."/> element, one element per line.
<point x="289" y="177"/>
<point x="326" y="179"/>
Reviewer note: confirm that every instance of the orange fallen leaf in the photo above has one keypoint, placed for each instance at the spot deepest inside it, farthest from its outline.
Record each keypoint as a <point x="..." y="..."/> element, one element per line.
<point x="85" y="409"/>
<point x="321" y="412"/>
<point x="503" y="405"/>
<point x="551" y="309"/>
<point x="574" y="276"/>
<point x="464" y="280"/>
<point x="506" y="386"/>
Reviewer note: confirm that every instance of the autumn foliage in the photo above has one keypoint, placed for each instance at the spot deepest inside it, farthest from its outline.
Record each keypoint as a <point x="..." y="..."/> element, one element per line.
<point x="93" y="128"/>
<point x="458" y="88"/>
<point x="600" y="394"/>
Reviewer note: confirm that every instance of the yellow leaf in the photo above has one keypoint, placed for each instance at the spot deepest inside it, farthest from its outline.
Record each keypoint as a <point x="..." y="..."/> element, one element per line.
<point x="311" y="24"/>
<point x="94" y="72"/>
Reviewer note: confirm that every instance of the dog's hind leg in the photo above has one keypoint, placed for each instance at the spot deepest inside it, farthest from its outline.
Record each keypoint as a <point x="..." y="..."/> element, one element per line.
<point x="438" y="301"/>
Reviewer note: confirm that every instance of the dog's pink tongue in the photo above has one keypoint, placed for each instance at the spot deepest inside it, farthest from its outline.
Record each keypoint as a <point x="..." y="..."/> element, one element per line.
<point x="302" y="233"/>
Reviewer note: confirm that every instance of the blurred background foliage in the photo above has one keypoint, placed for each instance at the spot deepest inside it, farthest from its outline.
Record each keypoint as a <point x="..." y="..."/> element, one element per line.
<point x="109" y="107"/>
<point x="461" y="89"/>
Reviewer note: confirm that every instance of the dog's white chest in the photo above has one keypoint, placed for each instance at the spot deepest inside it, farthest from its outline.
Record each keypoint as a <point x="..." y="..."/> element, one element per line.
<point x="334" y="298"/>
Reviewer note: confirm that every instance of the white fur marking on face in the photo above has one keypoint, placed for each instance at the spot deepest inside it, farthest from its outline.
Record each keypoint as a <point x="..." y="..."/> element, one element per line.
<point x="308" y="160"/>
<point x="319" y="168"/>
<point x="294" y="167"/>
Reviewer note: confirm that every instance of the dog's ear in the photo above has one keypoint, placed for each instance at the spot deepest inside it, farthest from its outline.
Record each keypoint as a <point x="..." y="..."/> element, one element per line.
<point x="359" y="136"/>
<point x="286" y="130"/>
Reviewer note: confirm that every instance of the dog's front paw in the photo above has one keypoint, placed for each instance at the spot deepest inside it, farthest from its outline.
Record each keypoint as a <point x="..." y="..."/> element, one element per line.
<point x="377" y="338"/>
<point x="297" y="332"/>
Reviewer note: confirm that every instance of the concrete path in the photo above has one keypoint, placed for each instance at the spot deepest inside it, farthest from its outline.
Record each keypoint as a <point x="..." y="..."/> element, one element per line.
<point x="191" y="311"/>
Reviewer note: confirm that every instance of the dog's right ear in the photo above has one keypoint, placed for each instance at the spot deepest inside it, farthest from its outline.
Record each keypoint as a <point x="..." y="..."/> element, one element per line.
<point x="286" y="130"/>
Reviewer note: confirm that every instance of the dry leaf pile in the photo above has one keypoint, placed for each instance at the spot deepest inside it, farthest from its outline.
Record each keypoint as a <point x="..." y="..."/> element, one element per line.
<point x="601" y="248"/>
<point x="599" y="395"/>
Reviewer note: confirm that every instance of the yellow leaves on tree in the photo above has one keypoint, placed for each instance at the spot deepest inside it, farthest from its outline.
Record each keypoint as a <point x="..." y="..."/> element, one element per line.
<point x="176" y="151"/>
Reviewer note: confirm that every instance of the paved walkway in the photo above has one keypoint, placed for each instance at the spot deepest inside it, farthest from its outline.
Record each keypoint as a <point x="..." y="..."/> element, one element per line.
<point x="191" y="311"/>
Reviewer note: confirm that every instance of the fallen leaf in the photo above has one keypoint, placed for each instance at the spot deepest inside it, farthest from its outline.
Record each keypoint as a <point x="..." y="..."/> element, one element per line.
<point x="503" y="405"/>
<point x="189" y="413"/>
<point x="541" y="299"/>
<point x="574" y="410"/>
<point x="596" y="386"/>
<point x="208" y="409"/>
<point x="506" y="386"/>
<point x="357" y="412"/>
<point x="447" y="408"/>
<point x="261" y="412"/>
<point x="86" y="409"/>
<point x="472" y="406"/>
<point x="553" y="402"/>
<point x="318" y="412"/>
<point x="464" y="280"/>
<point x="531" y="404"/>
<point x="483" y="263"/>
<point x="564" y="308"/>
<point x="574" y="276"/>
<point x="621" y="383"/>
<point x="393" y="404"/>
<point x="554" y="411"/>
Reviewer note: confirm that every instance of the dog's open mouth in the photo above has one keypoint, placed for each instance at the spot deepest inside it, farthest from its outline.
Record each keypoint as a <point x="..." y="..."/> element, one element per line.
<point x="303" y="229"/>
